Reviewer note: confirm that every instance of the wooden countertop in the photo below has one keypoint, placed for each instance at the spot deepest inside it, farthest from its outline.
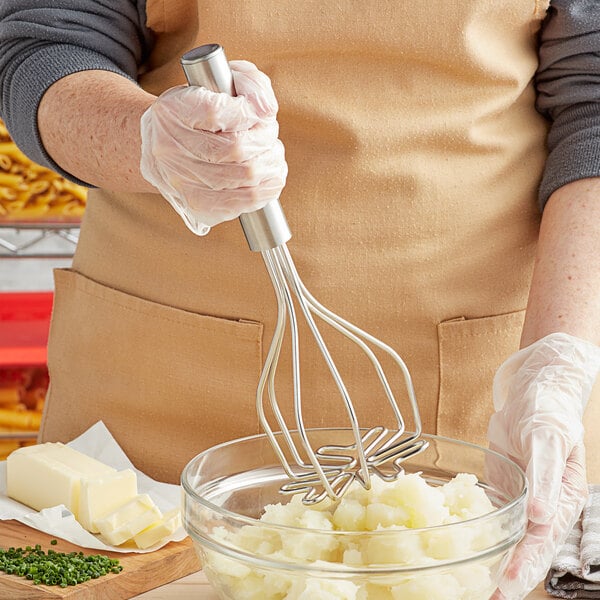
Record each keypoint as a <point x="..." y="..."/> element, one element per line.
<point x="195" y="587"/>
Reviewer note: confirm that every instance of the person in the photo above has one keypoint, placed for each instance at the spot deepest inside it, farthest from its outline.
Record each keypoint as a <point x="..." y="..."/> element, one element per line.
<point x="419" y="166"/>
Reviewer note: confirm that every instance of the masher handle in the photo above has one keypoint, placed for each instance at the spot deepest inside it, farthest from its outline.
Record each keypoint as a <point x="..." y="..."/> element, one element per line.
<point x="207" y="66"/>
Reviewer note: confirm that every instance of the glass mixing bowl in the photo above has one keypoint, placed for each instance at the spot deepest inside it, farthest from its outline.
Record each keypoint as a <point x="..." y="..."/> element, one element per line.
<point x="227" y="487"/>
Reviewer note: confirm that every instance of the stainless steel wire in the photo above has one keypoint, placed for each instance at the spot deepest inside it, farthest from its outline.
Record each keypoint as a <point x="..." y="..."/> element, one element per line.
<point x="329" y="469"/>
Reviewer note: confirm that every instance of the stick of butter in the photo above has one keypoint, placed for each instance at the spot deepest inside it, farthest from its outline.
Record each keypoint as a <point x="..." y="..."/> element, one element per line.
<point x="128" y="520"/>
<point x="50" y="474"/>
<point x="102" y="495"/>
<point x="159" y="530"/>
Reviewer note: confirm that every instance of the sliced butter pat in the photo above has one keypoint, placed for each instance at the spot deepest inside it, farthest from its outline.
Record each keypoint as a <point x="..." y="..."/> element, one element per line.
<point x="49" y="474"/>
<point x="101" y="495"/>
<point x="170" y="522"/>
<point x="128" y="520"/>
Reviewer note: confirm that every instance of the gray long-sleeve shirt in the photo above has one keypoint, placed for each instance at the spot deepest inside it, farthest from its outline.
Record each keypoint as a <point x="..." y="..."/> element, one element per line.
<point x="44" y="40"/>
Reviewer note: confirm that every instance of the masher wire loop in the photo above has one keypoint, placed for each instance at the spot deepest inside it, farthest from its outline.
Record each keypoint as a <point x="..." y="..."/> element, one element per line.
<point x="329" y="470"/>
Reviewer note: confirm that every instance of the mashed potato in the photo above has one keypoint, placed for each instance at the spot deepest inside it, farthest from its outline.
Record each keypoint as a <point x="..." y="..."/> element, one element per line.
<point x="405" y="504"/>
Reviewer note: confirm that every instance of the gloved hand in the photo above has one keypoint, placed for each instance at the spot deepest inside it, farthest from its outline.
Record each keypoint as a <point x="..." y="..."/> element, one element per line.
<point x="540" y="394"/>
<point x="213" y="156"/>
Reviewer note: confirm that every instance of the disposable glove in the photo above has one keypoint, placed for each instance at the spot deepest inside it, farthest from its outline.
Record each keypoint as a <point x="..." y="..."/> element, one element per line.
<point x="540" y="394"/>
<point x="211" y="155"/>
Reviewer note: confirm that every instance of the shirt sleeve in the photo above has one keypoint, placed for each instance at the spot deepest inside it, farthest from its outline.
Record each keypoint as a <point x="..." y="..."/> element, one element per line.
<point x="568" y="85"/>
<point x="42" y="41"/>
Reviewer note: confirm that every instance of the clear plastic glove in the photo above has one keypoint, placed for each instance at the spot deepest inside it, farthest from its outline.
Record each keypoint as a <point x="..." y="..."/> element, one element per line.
<point x="540" y="394"/>
<point x="214" y="156"/>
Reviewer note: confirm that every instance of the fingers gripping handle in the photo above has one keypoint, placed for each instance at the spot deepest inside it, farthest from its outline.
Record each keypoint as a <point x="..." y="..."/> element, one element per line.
<point x="207" y="66"/>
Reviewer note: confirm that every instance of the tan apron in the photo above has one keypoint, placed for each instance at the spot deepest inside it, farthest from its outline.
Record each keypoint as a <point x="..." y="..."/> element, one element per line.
<point x="414" y="152"/>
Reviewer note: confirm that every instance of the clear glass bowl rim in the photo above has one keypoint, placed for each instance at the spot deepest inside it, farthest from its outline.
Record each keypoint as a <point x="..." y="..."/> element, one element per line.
<point x="258" y="523"/>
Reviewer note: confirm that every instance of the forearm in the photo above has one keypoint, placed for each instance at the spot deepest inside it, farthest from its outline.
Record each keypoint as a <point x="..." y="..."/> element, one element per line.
<point x="89" y="123"/>
<point x="565" y="289"/>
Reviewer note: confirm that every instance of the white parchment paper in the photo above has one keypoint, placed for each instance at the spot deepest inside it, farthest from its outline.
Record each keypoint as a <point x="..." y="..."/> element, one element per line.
<point x="59" y="522"/>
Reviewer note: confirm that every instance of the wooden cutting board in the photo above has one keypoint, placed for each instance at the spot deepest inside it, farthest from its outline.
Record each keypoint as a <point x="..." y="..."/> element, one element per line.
<point x="141" y="572"/>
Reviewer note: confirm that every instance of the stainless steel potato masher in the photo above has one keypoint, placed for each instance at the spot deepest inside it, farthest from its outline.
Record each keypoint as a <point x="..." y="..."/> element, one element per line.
<point x="326" y="471"/>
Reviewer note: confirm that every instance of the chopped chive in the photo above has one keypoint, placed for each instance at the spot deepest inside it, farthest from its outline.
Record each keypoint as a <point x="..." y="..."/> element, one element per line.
<point x="55" y="568"/>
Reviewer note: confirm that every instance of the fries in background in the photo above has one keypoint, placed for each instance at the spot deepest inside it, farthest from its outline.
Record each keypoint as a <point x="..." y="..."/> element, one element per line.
<point x="30" y="192"/>
<point x="22" y="394"/>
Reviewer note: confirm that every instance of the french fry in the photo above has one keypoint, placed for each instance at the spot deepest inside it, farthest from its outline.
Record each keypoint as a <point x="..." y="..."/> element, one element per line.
<point x="33" y="209"/>
<point x="10" y="149"/>
<point x="22" y="395"/>
<point x="22" y="420"/>
<point x="8" y="446"/>
<point x="15" y="205"/>
<point x="35" y="170"/>
<point x="10" y="180"/>
<point x="72" y="208"/>
<point x="39" y="187"/>
<point x="8" y="194"/>
<point x="75" y="190"/>
<point x="29" y="191"/>
<point x="10" y="395"/>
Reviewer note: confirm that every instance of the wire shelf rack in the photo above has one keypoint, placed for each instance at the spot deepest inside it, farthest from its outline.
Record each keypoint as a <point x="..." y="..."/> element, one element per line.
<point x="38" y="240"/>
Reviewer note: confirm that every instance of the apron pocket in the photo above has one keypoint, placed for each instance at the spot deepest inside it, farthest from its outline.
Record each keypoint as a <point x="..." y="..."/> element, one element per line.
<point x="471" y="350"/>
<point x="167" y="383"/>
